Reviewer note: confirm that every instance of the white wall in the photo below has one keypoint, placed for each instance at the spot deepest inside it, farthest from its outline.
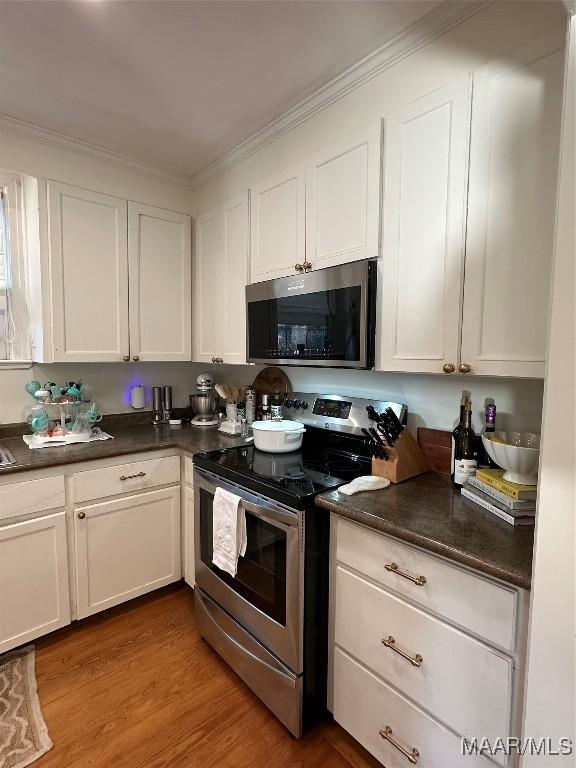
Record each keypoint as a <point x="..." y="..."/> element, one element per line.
<point x="433" y="401"/>
<point x="111" y="383"/>
<point x="551" y="683"/>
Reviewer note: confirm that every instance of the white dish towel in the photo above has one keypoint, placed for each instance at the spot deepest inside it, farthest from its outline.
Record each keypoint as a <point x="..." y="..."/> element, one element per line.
<point x="364" y="483"/>
<point x="228" y="531"/>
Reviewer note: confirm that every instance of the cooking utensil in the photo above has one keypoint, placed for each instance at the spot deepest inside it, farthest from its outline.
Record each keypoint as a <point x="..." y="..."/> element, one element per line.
<point x="394" y="423"/>
<point x="376" y="448"/>
<point x="278" y="436"/>
<point x="378" y="439"/>
<point x="270" y="380"/>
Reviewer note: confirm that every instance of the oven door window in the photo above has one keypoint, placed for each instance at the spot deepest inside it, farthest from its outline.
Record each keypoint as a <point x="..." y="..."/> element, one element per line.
<point x="324" y="325"/>
<point x="261" y="575"/>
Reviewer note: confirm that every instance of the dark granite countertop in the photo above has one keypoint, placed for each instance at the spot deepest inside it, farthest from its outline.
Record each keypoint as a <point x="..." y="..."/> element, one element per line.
<point x="429" y="512"/>
<point x="131" y="435"/>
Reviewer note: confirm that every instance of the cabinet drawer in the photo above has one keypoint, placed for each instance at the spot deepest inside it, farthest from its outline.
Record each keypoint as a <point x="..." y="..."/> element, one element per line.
<point x="125" y="478"/>
<point x="452" y="664"/>
<point x="477" y="604"/>
<point x="32" y="496"/>
<point x="365" y="706"/>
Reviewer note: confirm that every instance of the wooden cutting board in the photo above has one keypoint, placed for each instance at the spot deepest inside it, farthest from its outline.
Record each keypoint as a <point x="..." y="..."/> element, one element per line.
<point x="270" y="380"/>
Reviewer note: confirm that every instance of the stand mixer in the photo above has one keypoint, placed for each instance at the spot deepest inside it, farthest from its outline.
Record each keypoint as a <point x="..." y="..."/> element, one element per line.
<point x="204" y="402"/>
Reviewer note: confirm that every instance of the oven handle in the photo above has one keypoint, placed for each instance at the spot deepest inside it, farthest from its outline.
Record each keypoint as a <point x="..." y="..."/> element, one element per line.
<point x="256" y="505"/>
<point x="277" y="670"/>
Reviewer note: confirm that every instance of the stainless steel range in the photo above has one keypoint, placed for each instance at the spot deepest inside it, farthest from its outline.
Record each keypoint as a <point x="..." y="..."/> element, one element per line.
<point x="269" y="622"/>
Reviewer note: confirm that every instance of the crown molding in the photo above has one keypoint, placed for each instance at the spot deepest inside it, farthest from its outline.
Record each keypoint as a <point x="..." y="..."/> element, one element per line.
<point x="431" y="26"/>
<point x="23" y="129"/>
<point x="434" y="24"/>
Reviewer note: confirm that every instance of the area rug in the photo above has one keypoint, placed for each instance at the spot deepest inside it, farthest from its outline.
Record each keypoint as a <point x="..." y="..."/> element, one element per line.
<point x="23" y="733"/>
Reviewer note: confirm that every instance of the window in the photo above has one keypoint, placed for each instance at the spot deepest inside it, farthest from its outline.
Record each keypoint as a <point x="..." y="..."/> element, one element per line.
<point x="4" y="296"/>
<point x="14" y="323"/>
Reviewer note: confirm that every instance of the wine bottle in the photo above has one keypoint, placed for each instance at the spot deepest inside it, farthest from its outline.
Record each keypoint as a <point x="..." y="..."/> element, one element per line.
<point x="465" y="462"/>
<point x="484" y="459"/>
<point x="276" y="405"/>
<point x="456" y="432"/>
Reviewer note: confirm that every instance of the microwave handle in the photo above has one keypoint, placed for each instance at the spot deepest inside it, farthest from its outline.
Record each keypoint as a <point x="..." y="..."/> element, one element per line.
<point x="256" y="505"/>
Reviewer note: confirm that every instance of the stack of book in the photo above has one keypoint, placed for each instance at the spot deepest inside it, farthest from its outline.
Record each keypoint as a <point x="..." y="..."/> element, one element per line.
<point x="516" y="504"/>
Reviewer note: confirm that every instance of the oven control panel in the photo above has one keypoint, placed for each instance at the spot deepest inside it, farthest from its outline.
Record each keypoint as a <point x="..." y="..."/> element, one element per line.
<point x="336" y="412"/>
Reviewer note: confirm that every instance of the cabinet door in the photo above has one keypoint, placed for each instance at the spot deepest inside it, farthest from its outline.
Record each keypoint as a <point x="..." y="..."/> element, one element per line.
<point x="235" y="225"/>
<point x="423" y="232"/>
<point x="125" y="548"/>
<point x="34" y="589"/>
<point x="89" y="275"/>
<point x="277" y="219"/>
<point x="208" y="287"/>
<point x="513" y="172"/>
<point x="188" y="535"/>
<point x="343" y="200"/>
<point x="160" y="260"/>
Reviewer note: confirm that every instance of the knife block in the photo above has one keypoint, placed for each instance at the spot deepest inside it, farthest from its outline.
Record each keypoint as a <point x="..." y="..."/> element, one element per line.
<point x="405" y="460"/>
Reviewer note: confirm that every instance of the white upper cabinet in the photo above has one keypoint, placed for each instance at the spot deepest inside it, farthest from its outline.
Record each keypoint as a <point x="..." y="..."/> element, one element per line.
<point x="343" y="200"/>
<point x="235" y="242"/>
<point x="420" y="274"/>
<point x="159" y="251"/>
<point x="513" y="172"/>
<point x="278" y="212"/>
<point x="88" y="275"/>
<point x="221" y="275"/>
<point x="120" y="278"/>
<point x="208" y="286"/>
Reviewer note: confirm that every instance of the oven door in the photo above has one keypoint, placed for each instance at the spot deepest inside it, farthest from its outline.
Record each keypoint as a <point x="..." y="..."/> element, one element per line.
<point x="265" y="596"/>
<point x="324" y="318"/>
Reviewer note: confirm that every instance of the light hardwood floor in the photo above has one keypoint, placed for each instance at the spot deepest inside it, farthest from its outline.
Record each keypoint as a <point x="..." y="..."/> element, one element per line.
<point x="136" y="687"/>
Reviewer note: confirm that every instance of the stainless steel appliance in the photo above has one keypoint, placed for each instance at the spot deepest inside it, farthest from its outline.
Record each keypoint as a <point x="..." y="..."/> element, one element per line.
<point x="323" y="318"/>
<point x="269" y="622"/>
<point x="204" y="402"/>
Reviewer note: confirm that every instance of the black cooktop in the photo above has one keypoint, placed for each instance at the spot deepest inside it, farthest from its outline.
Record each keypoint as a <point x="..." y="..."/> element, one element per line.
<point x="324" y="462"/>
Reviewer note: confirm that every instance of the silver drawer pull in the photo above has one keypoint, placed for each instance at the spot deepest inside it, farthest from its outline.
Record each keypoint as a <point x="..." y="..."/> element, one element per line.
<point x="132" y="477"/>
<point x="416" y="661"/>
<point x="393" y="567"/>
<point x="412" y="757"/>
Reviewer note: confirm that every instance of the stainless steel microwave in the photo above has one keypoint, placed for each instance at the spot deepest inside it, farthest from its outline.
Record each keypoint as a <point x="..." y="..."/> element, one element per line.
<point x="325" y="317"/>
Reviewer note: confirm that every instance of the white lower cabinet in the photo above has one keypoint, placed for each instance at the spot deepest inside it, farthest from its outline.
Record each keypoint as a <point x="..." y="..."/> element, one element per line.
<point x="34" y="588"/>
<point x="410" y="670"/>
<point x="188" y="535"/>
<point x="436" y="665"/>
<point x="388" y="725"/>
<point x="126" y="547"/>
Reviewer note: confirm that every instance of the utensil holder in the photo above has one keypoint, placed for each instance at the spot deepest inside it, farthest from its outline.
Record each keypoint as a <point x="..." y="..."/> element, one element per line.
<point x="405" y="460"/>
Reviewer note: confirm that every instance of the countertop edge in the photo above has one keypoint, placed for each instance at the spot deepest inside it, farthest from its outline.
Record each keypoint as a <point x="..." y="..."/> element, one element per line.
<point x="436" y="547"/>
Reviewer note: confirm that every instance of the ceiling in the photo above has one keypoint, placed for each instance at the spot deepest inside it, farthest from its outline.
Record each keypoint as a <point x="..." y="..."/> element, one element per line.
<point x="178" y="83"/>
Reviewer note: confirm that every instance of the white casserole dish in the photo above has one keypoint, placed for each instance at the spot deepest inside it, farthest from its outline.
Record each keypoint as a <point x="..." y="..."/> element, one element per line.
<point x="278" y="436"/>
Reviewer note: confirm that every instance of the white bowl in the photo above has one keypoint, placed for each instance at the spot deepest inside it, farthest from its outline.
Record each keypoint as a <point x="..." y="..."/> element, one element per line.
<point x="278" y="436"/>
<point x="516" y="452"/>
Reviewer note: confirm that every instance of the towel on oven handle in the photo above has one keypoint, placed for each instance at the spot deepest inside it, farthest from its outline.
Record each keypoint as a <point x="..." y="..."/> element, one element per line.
<point x="228" y="531"/>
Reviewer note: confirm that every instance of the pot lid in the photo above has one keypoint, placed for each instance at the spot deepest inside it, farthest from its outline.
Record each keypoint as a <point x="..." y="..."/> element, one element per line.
<point x="284" y="425"/>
